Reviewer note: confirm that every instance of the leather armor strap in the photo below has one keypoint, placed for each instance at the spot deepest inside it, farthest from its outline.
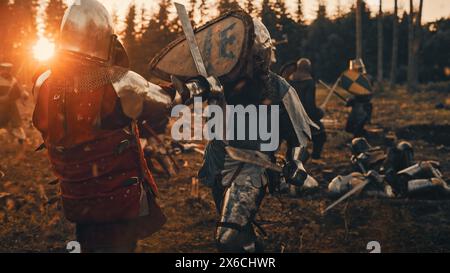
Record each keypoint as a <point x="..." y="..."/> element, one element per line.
<point x="237" y="172"/>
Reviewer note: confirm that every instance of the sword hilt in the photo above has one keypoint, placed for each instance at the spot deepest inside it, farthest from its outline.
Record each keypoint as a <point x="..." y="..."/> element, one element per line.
<point x="208" y="88"/>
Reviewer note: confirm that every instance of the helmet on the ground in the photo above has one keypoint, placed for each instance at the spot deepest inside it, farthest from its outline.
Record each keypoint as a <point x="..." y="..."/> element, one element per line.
<point x="406" y="153"/>
<point x="360" y="145"/>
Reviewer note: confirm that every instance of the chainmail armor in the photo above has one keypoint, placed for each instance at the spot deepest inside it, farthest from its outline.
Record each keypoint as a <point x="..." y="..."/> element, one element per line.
<point x="85" y="78"/>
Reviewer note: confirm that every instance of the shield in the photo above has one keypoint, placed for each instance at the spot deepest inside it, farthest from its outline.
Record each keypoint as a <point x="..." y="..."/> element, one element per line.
<point x="225" y="44"/>
<point x="288" y="69"/>
<point x="356" y="83"/>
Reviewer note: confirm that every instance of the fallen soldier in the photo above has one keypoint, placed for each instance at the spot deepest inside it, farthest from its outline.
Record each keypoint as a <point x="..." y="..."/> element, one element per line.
<point x="398" y="176"/>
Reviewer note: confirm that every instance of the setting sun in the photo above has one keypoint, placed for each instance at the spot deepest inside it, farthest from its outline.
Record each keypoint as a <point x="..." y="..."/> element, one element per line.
<point x="44" y="49"/>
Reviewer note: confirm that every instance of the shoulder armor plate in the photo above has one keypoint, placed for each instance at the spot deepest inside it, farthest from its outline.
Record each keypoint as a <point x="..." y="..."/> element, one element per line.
<point x="133" y="91"/>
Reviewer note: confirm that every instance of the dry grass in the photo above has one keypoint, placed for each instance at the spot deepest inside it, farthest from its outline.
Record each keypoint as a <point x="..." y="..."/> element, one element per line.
<point x="31" y="220"/>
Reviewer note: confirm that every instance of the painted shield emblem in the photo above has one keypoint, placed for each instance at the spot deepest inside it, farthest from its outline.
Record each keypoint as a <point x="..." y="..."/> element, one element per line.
<point x="356" y="83"/>
<point x="224" y="43"/>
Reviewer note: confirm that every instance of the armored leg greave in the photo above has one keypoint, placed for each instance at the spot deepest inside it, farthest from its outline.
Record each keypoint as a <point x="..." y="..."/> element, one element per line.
<point x="239" y="206"/>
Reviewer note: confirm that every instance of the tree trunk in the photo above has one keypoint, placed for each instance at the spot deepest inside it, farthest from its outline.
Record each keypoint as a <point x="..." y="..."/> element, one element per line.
<point x="380" y="45"/>
<point x="417" y="42"/>
<point x="358" y="30"/>
<point x="299" y="11"/>
<point x="410" y="84"/>
<point x="394" y="59"/>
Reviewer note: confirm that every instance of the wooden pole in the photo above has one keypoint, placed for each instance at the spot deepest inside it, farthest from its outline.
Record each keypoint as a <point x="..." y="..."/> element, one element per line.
<point x="410" y="71"/>
<point x="380" y="45"/>
<point x="358" y="30"/>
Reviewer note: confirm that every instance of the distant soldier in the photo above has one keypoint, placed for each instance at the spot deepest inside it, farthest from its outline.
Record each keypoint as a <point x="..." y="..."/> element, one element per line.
<point x="358" y="83"/>
<point x="10" y="93"/>
<point x="305" y="86"/>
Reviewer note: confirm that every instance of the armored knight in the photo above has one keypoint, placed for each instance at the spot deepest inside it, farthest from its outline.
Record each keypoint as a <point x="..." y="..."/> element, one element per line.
<point x="423" y="179"/>
<point x="238" y="188"/>
<point x="361" y="105"/>
<point x="366" y="162"/>
<point x="410" y="178"/>
<point x="397" y="175"/>
<point x="305" y="86"/>
<point x="10" y="94"/>
<point x="376" y="187"/>
<point x="87" y="109"/>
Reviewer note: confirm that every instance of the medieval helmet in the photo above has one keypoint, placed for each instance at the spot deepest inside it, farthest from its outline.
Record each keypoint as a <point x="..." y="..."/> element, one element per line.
<point x="263" y="48"/>
<point x="358" y="65"/>
<point x="304" y="65"/>
<point x="360" y="145"/>
<point x="6" y="66"/>
<point x="406" y="153"/>
<point x="87" y="32"/>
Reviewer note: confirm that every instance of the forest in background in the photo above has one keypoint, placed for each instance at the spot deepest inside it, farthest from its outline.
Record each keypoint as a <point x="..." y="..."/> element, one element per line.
<point x="328" y="40"/>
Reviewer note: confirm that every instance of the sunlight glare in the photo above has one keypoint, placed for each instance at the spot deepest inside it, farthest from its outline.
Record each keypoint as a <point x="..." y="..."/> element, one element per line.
<point x="44" y="49"/>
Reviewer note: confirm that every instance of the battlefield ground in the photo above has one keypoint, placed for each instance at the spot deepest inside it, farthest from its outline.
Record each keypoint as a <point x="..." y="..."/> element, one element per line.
<point x="31" y="219"/>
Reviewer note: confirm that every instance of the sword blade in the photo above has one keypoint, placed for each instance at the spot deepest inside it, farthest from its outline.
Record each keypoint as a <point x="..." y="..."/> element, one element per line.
<point x="332" y="91"/>
<point x="335" y="92"/>
<point x="190" y="38"/>
<point x="347" y="195"/>
<point x="252" y="157"/>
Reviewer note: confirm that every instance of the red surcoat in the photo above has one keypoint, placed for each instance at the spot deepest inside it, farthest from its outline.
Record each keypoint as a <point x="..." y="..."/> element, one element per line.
<point x="95" y="153"/>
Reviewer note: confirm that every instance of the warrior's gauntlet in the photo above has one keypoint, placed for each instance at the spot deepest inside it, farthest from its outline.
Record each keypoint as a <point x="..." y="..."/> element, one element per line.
<point x="207" y="88"/>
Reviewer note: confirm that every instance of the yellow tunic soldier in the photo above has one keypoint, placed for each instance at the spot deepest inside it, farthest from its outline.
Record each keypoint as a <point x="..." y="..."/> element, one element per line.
<point x="357" y="82"/>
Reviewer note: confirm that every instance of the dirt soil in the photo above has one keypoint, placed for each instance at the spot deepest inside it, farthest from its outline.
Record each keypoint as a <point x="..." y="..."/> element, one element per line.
<point x="31" y="219"/>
